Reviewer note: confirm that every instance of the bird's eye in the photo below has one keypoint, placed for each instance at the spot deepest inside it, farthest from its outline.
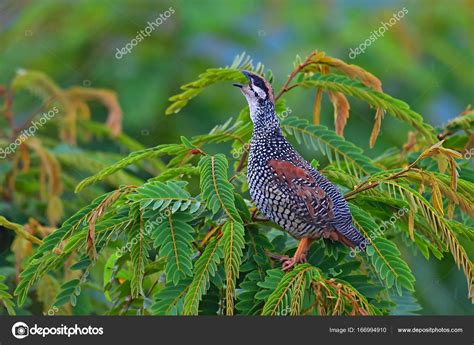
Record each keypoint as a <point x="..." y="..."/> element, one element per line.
<point x="259" y="93"/>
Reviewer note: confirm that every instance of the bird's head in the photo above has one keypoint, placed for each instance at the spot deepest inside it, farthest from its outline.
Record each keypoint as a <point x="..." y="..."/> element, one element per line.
<point x="259" y="94"/>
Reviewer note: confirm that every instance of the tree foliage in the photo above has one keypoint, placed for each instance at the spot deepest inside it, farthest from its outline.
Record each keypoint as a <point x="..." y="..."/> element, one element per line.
<point x="187" y="240"/>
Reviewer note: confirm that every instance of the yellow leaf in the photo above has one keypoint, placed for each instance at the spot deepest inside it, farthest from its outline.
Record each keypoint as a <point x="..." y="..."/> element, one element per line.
<point x="317" y="107"/>
<point x="341" y="110"/>
<point x="411" y="225"/>
<point x="450" y="209"/>
<point x="411" y="142"/>
<point x="454" y="174"/>
<point x="436" y="196"/>
<point x="378" y="122"/>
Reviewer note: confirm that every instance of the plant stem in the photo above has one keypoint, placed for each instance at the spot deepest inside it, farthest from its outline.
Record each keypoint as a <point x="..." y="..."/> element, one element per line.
<point x="293" y="74"/>
<point x="19" y="230"/>
<point x="370" y="185"/>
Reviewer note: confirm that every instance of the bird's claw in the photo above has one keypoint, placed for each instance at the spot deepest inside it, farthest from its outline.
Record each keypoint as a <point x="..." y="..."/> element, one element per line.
<point x="287" y="262"/>
<point x="290" y="262"/>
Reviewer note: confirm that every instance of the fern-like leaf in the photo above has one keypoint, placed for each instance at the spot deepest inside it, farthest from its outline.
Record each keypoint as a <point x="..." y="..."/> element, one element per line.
<point x="130" y="159"/>
<point x="210" y="77"/>
<point x="5" y="298"/>
<point x="169" y="300"/>
<point x="139" y="258"/>
<point x="336" y="148"/>
<point x="159" y="196"/>
<point x="384" y="254"/>
<point x="439" y="225"/>
<point x="290" y="291"/>
<point x="352" y="87"/>
<point x="205" y="268"/>
<point x="173" y="238"/>
<point x="216" y="190"/>
<point x="233" y="243"/>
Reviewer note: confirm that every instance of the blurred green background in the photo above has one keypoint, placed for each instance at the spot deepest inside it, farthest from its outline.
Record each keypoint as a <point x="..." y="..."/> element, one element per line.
<point x="425" y="59"/>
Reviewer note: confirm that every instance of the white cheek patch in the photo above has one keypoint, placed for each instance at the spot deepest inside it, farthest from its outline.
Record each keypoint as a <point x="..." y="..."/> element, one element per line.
<point x="259" y="91"/>
<point x="252" y="107"/>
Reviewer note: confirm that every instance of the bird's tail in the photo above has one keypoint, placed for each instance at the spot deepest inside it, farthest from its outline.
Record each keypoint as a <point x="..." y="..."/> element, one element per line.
<point x="352" y="238"/>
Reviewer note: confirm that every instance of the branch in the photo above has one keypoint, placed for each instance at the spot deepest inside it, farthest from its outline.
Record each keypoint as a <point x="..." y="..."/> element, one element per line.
<point x="431" y="151"/>
<point x="19" y="230"/>
<point x="293" y="74"/>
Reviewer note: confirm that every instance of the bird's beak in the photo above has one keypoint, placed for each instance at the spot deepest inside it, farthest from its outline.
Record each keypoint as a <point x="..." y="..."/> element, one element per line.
<point x="247" y="74"/>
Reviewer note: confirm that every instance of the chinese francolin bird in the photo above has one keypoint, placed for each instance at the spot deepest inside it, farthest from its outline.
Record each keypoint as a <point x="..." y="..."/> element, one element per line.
<point x="285" y="187"/>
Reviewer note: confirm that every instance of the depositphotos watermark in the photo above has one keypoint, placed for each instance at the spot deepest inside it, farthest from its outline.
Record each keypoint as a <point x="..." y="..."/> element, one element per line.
<point x="150" y="225"/>
<point x="374" y="35"/>
<point x="21" y="330"/>
<point x="469" y="153"/>
<point x="379" y="231"/>
<point x="142" y="34"/>
<point x="27" y="133"/>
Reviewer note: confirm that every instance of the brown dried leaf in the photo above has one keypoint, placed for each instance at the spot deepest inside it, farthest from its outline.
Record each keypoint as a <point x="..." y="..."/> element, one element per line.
<point x="411" y="142"/>
<point x="317" y="107"/>
<point x="450" y="209"/>
<point x="444" y="155"/>
<point x="25" y="158"/>
<point x="354" y="71"/>
<point x="411" y="224"/>
<point x="107" y="98"/>
<point x="377" y="124"/>
<point x="55" y="210"/>
<point x="436" y="196"/>
<point x="91" y="251"/>
<point x="95" y="214"/>
<point x="341" y="110"/>
<point x="454" y="174"/>
<point x="22" y="249"/>
<point x="367" y="78"/>
<point x="50" y="171"/>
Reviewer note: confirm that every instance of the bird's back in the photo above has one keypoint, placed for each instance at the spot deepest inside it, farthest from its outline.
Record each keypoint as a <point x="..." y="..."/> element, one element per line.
<point x="290" y="192"/>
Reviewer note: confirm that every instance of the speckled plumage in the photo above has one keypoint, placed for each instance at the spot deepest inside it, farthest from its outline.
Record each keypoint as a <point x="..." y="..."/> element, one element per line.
<point x="283" y="185"/>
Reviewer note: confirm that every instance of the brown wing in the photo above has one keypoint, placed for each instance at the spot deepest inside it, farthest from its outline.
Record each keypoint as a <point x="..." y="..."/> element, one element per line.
<point x="304" y="186"/>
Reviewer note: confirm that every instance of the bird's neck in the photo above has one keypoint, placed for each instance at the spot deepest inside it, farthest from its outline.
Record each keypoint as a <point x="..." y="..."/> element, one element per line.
<point x="265" y="121"/>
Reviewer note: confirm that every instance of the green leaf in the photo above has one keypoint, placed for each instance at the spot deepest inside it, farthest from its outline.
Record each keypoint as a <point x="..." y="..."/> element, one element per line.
<point x="383" y="253"/>
<point x="232" y="243"/>
<point x="216" y="189"/>
<point x="162" y="195"/>
<point x="6" y="298"/>
<point x="134" y="157"/>
<point x="352" y="87"/>
<point x="287" y="298"/>
<point x="336" y="148"/>
<point x="169" y="300"/>
<point x="210" y="77"/>
<point x="205" y="268"/>
<point x="139" y="259"/>
<point x="173" y="238"/>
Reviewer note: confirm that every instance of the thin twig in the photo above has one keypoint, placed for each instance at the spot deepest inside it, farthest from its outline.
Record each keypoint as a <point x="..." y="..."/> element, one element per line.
<point x="241" y="162"/>
<point x="370" y="185"/>
<point x="19" y="230"/>
<point x="293" y="74"/>
<point x="209" y="235"/>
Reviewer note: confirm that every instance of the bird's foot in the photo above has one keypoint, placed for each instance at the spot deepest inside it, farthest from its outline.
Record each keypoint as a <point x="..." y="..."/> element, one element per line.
<point x="290" y="262"/>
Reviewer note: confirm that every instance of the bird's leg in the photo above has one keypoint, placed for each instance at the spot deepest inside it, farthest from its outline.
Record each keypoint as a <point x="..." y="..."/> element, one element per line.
<point x="300" y="254"/>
